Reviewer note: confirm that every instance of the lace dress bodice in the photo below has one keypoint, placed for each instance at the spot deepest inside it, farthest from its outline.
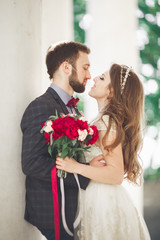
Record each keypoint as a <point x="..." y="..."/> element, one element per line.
<point x="101" y="125"/>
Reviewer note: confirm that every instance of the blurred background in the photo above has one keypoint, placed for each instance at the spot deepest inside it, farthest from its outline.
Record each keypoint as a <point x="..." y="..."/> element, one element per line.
<point x="121" y="31"/>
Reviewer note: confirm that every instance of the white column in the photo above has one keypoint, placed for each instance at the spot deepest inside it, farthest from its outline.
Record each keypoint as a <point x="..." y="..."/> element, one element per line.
<point x="27" y="29"/>
<point x="20" y="67"/>
<point x="111" y="37"/>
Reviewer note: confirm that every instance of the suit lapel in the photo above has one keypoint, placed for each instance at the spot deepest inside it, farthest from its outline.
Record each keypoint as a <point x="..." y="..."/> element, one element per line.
<point x="54" y="95"/>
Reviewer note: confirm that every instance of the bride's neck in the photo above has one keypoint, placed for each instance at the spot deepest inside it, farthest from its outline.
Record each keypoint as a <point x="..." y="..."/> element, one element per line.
<point x="101" y="104"/>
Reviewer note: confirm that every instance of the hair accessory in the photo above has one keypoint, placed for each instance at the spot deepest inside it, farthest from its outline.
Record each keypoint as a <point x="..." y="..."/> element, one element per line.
<point x="124" y="79"/>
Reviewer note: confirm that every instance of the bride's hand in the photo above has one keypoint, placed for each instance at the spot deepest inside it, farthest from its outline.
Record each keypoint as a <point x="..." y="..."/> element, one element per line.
<point x="68" y="164"/>
<point x="98" y="161"/>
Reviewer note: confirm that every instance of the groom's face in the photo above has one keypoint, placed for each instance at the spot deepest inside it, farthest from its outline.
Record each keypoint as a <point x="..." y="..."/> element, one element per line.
<point x="80" y="73"/>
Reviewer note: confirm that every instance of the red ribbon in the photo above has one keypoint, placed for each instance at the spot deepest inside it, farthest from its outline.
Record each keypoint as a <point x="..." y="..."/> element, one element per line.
<point x="55" y="202"/>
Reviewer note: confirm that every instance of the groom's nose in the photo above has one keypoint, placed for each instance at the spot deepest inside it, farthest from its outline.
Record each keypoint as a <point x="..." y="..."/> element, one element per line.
<point x="88" y="76"/>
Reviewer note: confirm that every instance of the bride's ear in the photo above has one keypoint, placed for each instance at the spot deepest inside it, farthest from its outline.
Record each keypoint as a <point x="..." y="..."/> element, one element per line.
<point x="111" y="93"/>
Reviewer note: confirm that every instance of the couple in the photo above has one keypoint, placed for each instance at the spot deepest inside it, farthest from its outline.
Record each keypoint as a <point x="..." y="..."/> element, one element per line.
<point x="107" y="212"/>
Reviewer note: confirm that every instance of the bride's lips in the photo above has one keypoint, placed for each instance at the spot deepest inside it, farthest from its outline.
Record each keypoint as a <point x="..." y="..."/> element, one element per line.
<point x="93" y="86"/>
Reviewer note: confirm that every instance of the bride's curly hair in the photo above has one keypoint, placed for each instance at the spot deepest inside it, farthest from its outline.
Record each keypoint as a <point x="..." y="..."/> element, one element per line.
<point x="126" y="110"/>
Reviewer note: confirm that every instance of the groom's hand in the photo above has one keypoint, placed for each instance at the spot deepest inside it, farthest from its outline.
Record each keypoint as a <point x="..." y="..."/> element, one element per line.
<point x="97" y="161"/>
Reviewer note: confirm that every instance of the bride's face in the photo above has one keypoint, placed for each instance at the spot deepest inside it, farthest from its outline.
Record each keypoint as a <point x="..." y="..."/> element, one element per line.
<point x="100" y="88"/>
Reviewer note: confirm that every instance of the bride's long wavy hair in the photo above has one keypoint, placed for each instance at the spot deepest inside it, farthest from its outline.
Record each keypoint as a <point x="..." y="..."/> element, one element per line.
<point x="126" y="110"/>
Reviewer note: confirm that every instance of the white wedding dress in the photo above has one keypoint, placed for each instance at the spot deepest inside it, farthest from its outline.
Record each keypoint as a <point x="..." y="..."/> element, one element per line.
<point x="107" y="211"/>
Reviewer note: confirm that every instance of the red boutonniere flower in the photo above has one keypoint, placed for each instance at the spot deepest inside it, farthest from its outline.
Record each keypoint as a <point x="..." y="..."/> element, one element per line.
<point x="73" y="102"/>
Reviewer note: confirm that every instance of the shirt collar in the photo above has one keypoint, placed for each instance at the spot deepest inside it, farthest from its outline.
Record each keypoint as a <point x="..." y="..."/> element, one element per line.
<point x="62" y="94"/>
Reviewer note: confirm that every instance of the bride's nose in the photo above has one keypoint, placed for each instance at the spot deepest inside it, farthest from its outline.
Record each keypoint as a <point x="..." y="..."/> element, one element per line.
<point x="94" y="79"/>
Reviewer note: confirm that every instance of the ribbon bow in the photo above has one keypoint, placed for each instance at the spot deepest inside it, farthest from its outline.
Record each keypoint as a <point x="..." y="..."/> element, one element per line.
<point x="72" y="102"/>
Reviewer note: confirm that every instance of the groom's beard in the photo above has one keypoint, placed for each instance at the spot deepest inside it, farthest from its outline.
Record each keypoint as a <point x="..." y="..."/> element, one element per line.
<point x="74" y="82"/>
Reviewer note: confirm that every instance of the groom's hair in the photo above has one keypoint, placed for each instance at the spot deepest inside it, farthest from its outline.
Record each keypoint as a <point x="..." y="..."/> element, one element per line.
<point x="66" y="51"/>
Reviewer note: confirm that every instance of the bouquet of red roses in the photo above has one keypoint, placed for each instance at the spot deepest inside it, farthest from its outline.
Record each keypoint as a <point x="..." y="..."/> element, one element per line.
<point x="69" y="135"/>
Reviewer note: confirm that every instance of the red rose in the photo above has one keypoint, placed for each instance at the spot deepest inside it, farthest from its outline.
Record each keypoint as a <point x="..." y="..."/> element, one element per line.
<point x="56" y="135"/>
<point x="69" y="122"/>
<point x="58" y="126"/>
<point x="43" y="124"/>
<point x="47" y="136"/>
<point x="95" y="135"/>
<point x="71" y="133"/>
<point x="82" y="124"/>
<point x="71" y="127"/>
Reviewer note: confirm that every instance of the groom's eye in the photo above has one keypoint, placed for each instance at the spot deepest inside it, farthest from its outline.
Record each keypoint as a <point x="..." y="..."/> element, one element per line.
<point x="85" y="68"/>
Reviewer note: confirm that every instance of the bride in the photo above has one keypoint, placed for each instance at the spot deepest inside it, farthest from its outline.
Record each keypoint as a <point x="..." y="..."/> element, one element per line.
<point x="107" y="211"/>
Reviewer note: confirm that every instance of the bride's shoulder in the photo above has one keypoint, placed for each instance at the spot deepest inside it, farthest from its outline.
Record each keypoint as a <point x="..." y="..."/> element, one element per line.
<point x="103" y="122"/>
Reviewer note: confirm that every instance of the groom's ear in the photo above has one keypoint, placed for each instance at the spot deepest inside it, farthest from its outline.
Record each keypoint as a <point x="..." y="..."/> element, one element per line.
<point x="67" y="68"/>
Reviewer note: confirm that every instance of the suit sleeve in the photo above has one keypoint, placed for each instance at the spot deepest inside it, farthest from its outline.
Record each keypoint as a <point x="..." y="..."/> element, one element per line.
<point x="36" y="161"/>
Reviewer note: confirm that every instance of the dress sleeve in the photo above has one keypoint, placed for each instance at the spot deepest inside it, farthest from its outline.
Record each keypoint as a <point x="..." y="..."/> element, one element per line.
<point x="102" y="124"/>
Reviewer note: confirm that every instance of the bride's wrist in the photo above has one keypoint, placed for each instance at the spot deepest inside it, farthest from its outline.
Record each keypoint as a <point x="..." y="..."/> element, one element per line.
<point x="80" y="168"/>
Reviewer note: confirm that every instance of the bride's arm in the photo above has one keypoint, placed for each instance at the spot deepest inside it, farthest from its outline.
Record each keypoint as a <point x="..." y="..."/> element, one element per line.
<point x="112" y="173"/>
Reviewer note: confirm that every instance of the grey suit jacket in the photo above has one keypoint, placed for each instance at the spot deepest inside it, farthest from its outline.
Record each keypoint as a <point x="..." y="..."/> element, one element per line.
<point x="37" y="165"/>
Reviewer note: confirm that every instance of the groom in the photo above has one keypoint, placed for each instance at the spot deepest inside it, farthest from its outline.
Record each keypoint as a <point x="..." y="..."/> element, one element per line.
<point x="68" y="69"/>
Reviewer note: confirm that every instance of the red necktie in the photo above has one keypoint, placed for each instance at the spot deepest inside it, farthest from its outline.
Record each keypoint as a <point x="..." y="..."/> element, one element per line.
<point x="72" y="102"/>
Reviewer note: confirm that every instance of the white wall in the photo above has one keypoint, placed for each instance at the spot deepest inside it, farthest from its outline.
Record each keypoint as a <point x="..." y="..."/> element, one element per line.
<point x="24" y="38"/>
<point x="57" y="25"/>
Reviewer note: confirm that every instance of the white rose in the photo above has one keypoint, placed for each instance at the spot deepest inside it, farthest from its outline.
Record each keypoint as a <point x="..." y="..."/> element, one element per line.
<point x="71" y="114"/>
<point x="82" y="134"/>
<point x="82" y="118"/>
<point x="91" y="131"/>
<point x="48" y="127"/>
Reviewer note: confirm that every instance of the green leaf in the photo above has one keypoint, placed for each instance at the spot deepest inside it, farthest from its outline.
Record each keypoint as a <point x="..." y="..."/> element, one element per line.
<point x="64" y="153"/>
<point x="50" y="150"/>
<point x="51" y="139"/>
<point x="65" y="145"/>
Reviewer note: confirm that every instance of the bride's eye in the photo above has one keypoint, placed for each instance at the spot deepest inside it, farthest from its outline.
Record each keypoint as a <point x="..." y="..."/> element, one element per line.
<point x="101" y="77"/>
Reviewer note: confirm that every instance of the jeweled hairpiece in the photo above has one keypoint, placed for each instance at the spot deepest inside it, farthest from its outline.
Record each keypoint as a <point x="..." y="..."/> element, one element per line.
<point x="124" y="79"/>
